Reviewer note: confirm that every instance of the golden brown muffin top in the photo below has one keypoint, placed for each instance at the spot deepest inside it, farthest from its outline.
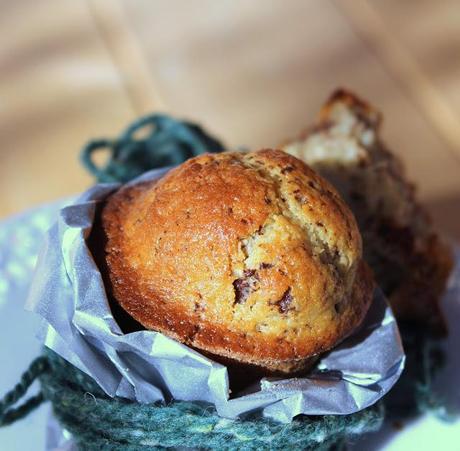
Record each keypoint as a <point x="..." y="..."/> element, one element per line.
<point x="251" y="256"/>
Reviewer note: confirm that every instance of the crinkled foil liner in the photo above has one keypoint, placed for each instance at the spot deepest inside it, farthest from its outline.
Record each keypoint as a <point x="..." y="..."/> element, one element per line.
<point x="146" y="366"/>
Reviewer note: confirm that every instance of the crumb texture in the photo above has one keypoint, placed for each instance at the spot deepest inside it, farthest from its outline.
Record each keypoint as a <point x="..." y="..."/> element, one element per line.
<point x="409" y="260"/>
<point x="250" y="256"/>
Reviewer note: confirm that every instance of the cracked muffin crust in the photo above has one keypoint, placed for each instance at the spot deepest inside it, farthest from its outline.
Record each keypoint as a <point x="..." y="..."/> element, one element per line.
<point x="408" y="258"/>
<point x="252" y="257"/>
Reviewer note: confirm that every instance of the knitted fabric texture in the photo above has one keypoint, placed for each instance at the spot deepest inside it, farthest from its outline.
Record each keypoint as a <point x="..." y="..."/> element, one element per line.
<point x="99" y="422"/>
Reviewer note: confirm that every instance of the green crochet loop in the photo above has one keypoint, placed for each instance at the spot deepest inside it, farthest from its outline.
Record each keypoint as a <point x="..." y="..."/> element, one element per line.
<point x="9" y="414"/>
<point x="167" y="143"/>
<point x="99" y="422"/>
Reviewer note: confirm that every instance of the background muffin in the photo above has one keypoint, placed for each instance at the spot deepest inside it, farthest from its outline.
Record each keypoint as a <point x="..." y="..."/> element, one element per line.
<point x="251" y="257"/>
<point x="409" y="260"/>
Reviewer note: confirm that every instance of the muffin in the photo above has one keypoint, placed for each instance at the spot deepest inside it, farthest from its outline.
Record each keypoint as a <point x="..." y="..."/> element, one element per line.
<point x="409" y="260"/>
<point x="248" y="257"/>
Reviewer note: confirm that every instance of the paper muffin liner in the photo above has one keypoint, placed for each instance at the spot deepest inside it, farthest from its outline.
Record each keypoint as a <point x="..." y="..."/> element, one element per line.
<point x="146" y="366"/>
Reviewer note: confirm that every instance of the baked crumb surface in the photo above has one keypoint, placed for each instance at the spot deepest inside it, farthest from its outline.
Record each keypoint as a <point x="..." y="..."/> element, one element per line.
<point x="249" y="256"/>
<point x="409" y="260"/>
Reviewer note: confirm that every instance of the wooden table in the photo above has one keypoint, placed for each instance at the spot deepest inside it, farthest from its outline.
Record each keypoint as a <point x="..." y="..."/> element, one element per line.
<point x="253" y="72"/>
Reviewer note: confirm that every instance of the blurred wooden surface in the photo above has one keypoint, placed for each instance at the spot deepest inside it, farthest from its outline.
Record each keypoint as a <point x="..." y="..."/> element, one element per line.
<point x="253" y="72"/>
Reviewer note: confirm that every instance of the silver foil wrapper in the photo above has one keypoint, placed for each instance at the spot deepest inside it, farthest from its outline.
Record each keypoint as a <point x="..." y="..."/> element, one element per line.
<point x="145" y="366"/>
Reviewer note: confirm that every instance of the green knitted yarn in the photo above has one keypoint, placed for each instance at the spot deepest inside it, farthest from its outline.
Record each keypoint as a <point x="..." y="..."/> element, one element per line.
<point x="99" y="422"/>
<point x="413" y="394"/>
<point x="8" y="413"/>
<point x="168" y="142"/>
